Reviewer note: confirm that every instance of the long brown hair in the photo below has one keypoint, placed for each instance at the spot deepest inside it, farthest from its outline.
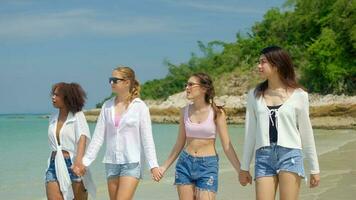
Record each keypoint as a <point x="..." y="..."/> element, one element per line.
<point x="129" y="74"/>
<point x="207" y="83"/>
<point x="280" y="59"/>
<point x="73" y="95"/>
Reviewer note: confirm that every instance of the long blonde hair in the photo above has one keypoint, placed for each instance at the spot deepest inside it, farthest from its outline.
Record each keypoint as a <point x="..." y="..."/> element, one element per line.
<point x="129" y="74"/>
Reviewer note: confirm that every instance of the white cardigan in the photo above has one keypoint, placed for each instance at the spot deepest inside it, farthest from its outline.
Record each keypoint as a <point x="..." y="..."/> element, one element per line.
<point x="293" y="127"/>
<point x="130" y="142"/>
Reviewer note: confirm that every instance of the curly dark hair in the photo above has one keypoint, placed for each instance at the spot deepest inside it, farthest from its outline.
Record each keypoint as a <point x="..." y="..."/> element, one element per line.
<point x="73" y="95"/>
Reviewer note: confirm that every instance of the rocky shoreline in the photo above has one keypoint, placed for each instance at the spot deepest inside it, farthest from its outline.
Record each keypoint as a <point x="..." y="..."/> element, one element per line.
<point x="326" y="111"/>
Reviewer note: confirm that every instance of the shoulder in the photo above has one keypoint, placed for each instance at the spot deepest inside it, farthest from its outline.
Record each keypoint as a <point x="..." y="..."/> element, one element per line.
<point x="53" y="117"/>
<point x="220" y="114"/>
<point x="138" y="105"/>
<point x="301" y="94"/>
<point x="251" y="93"/>
<point x="139" y="102"/>
<point x="80" y="115"/>
<point x="108" y="103"/>
<point x="184" y="110"/>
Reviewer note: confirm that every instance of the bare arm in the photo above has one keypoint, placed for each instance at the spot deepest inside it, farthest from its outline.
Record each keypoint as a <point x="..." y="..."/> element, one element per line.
<point x="226" y="142"/>
<point x="81" y="149"/>
<point x="179" y="145"/>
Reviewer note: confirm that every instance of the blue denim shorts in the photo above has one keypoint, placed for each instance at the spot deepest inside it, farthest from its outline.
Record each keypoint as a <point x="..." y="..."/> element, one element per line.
<point x="51" y="171"/>
<point x="199" y="171"/>
<point x="127" y="169"/>
<point x="270" y="160"/>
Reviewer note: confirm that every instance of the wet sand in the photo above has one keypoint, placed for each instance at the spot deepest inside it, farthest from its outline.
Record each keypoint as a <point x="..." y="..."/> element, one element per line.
<point x="338" y="175"/>
<point x="337" y="159"/>
<point x="338" y="179"/>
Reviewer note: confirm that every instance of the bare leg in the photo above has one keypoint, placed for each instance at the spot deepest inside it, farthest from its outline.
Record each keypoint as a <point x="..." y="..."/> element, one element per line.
<point x="266" y="188"/>
<point x="289" y="185"/>
<point x="79" y="191"/>
<point x="186" y="192"/>
<point x="205" y="195"/>
<point x="127" y="187"/>
<point x="113" y="185"/>
<point x="53" y="192"/>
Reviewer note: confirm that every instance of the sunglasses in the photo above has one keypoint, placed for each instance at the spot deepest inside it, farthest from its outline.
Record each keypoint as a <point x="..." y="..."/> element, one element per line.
<point x="114" y="80"/>
<point x="190" y="84"/>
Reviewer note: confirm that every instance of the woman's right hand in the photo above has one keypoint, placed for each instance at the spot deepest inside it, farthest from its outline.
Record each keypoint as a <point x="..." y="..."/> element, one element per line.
<point x="245" y="177"/>
<point x="162" y="169"/>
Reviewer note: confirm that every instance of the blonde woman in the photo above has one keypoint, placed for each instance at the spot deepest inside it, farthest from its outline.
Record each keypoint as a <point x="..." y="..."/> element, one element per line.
<point x="125" y="125"/>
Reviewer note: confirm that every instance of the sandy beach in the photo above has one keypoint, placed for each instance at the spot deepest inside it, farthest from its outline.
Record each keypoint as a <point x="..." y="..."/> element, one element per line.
<point x="338" y="175"/>
<point x="337" y="159"/>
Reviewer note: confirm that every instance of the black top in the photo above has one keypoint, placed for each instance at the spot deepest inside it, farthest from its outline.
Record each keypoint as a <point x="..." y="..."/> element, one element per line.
<point x="273" y="136"/>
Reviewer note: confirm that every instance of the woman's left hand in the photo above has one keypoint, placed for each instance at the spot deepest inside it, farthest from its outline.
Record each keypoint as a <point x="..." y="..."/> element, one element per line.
<point x="314" y="180"/>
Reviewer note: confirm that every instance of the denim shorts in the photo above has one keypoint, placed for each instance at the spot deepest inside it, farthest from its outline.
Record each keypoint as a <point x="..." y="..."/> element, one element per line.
<point x="199" y="171"/>
<point x="270" y="160"/>
<point x="127" y="169"/>
<point x="51" y="171"/>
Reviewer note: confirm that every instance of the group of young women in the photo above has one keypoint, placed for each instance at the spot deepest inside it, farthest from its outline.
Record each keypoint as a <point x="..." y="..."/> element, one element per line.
<point x="277" y="129"/>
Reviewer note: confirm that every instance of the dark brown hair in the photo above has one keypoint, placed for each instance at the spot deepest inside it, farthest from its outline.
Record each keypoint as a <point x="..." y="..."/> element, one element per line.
<point x="73" y="95"/>
<point x="280" y="59"/>
<point x="129" y="74"/>
<point x="207" y="83"/>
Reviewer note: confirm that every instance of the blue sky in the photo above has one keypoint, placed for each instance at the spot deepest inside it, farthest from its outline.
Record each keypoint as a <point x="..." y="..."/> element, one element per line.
<point x="44" y="42"/>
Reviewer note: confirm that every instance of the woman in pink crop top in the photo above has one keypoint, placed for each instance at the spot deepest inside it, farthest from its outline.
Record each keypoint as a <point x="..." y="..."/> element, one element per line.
<point x="197" y="166"/>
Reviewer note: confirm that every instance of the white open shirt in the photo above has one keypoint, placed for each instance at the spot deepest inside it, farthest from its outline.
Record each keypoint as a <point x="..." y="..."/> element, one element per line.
<point x="128" y="143"/>
<point x="294" y="128"/>
<point x="74" y="126"/>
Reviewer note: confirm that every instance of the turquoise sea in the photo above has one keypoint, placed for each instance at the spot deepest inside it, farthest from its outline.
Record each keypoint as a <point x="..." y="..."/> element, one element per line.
<point x="24" y="151"/>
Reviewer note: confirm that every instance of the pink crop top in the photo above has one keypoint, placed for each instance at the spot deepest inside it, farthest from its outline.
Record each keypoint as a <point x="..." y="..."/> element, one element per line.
<point x="117" y="120"/>
<point x="204" y="130"/>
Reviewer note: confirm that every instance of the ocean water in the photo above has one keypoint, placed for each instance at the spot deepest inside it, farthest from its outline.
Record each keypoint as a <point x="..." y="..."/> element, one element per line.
<point x="24" y="152"/>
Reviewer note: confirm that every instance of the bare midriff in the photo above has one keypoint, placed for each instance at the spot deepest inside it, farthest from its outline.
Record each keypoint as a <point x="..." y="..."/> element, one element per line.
<point x="200" y="147"/>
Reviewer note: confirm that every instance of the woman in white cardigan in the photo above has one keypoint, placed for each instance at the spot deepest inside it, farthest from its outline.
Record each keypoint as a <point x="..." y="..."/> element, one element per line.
<point x="278" y="130"/>
<point x="124" y="124"/>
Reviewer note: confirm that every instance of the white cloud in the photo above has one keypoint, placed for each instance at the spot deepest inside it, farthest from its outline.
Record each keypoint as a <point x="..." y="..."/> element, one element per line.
<point x="78" y="22"/>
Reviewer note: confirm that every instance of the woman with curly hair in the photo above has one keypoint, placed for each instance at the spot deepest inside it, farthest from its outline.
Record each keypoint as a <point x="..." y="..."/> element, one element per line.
<point x="68" y="135"/>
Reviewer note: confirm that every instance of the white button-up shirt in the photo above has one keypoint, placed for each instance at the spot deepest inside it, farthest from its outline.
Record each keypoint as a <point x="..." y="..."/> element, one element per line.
<point x="293" y="128"/>
<point x="69" y="135"/>
<point x="128" y="142"/>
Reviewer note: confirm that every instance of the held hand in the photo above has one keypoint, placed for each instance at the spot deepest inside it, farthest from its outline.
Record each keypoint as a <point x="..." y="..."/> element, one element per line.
<point x="163" y="170"/>
<point x="75" y="170"/>
<point x="245" y="177"/>
<point x="156" y="174"/>
<point x="314" y="180"/>
<point x="79" y="169"/>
